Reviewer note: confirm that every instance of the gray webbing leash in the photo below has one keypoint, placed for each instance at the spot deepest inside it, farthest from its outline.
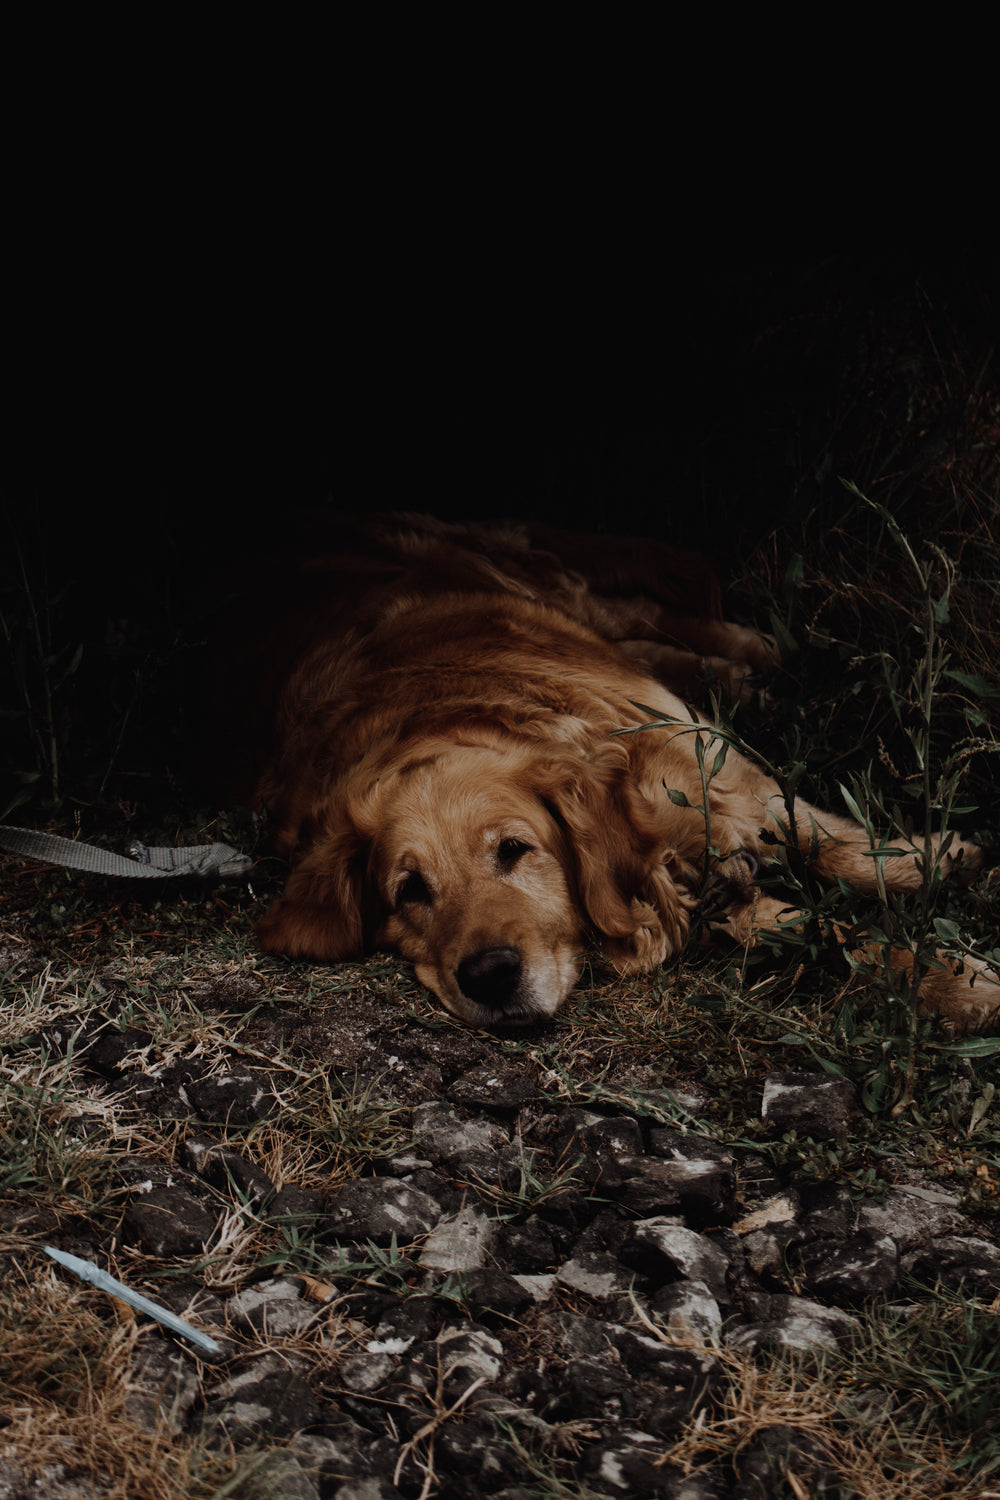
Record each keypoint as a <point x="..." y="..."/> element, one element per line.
<point x="148" y="864"/>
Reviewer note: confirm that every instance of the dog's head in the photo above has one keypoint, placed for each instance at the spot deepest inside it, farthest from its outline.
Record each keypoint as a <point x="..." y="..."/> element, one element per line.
<point x="487" y="867"/>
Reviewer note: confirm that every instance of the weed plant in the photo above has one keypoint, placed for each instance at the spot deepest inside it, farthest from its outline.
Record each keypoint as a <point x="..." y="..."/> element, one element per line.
<point x="929" y="750"/>
<point x="42" y="664"/>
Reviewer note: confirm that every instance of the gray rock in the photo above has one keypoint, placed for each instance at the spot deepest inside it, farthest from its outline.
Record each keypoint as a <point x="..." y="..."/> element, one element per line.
<point x="672" y="1248"/>
<point x="274" y="1309"/>
<point x="827" y="1212"/>
<point x="459" y="1243"/>
<point x="367" y="1489"/>
<point x="971" y="1264"/>
<point x="466" y="1355"/>
<point x="162" y="1386"/>
<point x="809" y="1103"/>
<point x="442" y="1134"/>
<point x="525" y="1248"/>
<point x="235" y="1099"/>
<point x="861" y="1265"/>
<point x="269" y="1399"/>
<point x="626" y="1468"/>
<point x="281" y="1474"/>
<point x="473" y="1450"/>
<point x="793" y="1323"/>
<point x="678" y="1486"/>
<point x="911" y="1216"/>
<point x="673" y="1383"/>
<point x="703" y="1173"/>
<point x="416" y="1318"/>
<point x="594" y="1388"/>
<point x="408" y="1162"/>
<point x="539" y="1287"/>
<point x="340" y="1451"/>
<point x="604" y="1140"/>
<point x="170" y="1222"/>
<point x="446" y="1195"/>
<point x="494" y="1085"/>
<point x="296" y="1205"/>
<point x="643" y="1187"/>
<point x="380" y="1209"/>
<point x="364" y="1373"/>
<point x="567" y="1210"/>
<point x="492" y="1294"/>
<point x="687" y="1309"/>
<point x="228" y="1170"/>
<point x="582" y="1337"/>
<point x="596" y="1274"/>
<point x="781" y="1452"/>
<point x="766" y="1253"/>
<point x="469" y="1292"/>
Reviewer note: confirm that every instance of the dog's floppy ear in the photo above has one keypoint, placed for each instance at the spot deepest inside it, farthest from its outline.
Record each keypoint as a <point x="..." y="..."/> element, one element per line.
<point x="618" y="855"/>
<point x="321" y="912"/>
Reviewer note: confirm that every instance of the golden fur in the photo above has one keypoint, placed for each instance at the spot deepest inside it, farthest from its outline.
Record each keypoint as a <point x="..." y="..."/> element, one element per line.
<point x="449" y="780"/>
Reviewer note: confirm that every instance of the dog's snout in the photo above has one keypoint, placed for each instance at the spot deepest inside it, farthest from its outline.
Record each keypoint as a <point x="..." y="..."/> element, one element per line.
<point x="490" y="976"/>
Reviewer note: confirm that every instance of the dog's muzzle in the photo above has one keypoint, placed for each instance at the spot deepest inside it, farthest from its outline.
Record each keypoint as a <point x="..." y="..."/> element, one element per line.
<point x="491" y="977"/>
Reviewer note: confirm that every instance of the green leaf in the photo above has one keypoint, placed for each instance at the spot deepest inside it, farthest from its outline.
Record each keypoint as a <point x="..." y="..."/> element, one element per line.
<point x="834" y="1069"/>
<point x="981" y="1107"/>
<point x="795" y="572"/>
<point x="788" y="646"/>
<point x="793" y="776"/>
<point x="977" y="1046"/>
<point x="660" y="721"/>
<point x="874" y="1091"/>
<point x="852" y="806"/>
<point x="677" y="797"/>
<point x="975" y="682"/>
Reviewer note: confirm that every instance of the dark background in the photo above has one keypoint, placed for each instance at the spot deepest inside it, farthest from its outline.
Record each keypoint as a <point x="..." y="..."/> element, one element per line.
<point x="164" y="421"/>
<point x="167" y="412"/>
<point x="601" y="276"/>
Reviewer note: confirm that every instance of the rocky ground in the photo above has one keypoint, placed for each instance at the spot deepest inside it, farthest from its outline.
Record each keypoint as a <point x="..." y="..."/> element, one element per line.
<point x="524" y="1298"/>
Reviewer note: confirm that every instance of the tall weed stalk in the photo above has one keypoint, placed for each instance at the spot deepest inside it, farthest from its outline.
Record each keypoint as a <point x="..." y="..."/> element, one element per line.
<point x="40" y="668"/>
<point x="883" y="1050"/>
<point x="933" y="786"/>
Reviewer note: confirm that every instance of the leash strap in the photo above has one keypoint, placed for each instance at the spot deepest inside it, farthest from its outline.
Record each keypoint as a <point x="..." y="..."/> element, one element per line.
<point x="156" y="863"/>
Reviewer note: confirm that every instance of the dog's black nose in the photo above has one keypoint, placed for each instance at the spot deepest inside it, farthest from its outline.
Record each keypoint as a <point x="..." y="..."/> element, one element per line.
<point x="491" y="976"/>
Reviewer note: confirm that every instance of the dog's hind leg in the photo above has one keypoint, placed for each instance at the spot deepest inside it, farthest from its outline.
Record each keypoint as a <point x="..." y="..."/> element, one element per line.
<point x="964" y="991"/>
<point x="838" y="848"/>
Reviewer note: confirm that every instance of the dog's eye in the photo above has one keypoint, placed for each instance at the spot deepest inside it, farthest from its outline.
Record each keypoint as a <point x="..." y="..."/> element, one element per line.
<point x="414" y="889"/>
<point x="509" y="851"/>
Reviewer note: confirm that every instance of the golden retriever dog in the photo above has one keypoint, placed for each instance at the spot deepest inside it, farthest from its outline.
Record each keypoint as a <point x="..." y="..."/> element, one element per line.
<point x="449" y="777"/>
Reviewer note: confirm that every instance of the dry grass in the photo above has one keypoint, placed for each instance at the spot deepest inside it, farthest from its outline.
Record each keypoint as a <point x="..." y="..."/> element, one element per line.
<point x="98" y="1453"/>
<point x="869" y="1460"/>
<point x="64" y="1370"/>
